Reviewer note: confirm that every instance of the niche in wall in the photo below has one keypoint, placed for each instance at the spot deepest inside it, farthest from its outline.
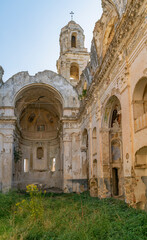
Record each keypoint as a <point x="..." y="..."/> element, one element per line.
<point x="40" y="153"/>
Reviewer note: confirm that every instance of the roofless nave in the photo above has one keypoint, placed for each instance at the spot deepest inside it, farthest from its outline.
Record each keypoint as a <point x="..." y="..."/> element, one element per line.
<point x="86" y="128"/>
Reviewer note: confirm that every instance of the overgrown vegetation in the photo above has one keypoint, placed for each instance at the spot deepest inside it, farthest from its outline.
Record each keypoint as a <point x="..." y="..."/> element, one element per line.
<point x="83" y="95"/>
<point x="17" y="155"/>
<point x="68" y="217"/>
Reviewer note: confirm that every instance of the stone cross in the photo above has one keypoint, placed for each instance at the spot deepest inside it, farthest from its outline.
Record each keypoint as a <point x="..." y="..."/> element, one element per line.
<point x="71" y="13"/>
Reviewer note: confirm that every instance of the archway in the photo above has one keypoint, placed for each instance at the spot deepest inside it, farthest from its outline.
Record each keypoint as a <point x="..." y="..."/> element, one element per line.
<point x="141" y="178"/>
<point x="112" y="133"/>
<point x="74" y="72"/>
<point x="140" y="104"/>
<point x="37" y="137"/>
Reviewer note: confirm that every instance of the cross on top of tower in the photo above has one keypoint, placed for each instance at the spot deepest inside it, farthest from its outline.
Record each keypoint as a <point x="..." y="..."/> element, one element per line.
<point x="72" y="14"/>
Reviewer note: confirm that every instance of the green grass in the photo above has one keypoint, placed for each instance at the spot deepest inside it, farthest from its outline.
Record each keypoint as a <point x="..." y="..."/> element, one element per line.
<point x="72" y="217"/>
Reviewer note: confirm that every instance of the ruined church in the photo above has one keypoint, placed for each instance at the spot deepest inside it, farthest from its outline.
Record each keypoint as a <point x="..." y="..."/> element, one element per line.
<point x="85" y="128"/>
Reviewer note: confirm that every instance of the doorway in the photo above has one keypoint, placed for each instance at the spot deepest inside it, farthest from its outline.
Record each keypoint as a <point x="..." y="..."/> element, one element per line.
<point x="115" y="182"/>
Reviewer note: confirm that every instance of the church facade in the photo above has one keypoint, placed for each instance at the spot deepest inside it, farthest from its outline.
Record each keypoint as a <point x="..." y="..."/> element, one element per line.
<point x="84" y="128"/>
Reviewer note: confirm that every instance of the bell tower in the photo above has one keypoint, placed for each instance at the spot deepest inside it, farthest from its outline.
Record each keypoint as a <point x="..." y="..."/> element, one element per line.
<point x="73" y="55"/>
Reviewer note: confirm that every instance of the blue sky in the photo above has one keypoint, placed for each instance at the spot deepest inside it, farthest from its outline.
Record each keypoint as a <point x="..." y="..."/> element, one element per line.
<point x="29" y="39"/>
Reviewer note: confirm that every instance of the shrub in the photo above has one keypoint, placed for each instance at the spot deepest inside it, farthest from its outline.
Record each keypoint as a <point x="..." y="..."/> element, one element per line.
<point x="32" y="206"/>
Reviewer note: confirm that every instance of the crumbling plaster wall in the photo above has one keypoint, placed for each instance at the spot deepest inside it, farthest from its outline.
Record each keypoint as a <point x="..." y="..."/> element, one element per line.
<point x="127" y="67"/>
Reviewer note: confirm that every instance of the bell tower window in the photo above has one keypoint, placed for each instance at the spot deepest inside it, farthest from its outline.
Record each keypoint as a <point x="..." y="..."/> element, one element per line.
<point x="74" y="71"/>
<point x="73" y="40"/>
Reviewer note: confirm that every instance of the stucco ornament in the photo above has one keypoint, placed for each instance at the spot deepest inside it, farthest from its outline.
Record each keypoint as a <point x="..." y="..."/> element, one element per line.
<point x="120" y="5"/>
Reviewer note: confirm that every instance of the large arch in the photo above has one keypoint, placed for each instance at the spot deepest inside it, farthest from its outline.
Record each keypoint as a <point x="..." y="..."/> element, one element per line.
<point x="35" y="108"/>
<point x="112" y="146"/>
<point x="11" y="88"/>
<point x="140" y="104"/>
<point x="140" y="98"/>
<point x="38" y="110"/>
<point x="140" y="169"/>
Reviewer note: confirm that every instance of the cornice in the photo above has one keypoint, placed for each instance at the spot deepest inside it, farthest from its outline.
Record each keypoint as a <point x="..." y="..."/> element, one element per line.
<point x="126" y="27"/>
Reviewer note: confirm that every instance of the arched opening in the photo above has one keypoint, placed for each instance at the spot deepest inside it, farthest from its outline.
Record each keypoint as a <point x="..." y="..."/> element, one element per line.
<point x="26" y="165"/>
<point x="74" y="40"/>
<point x="74" y="72"/>
<point x="38" y="110"/>
<point x="112" y="146"/>
<point x="141" y="158"/>
<point x="141" y="178"/>
<point x="140" y="98"/>
<point x="140" y="104"/>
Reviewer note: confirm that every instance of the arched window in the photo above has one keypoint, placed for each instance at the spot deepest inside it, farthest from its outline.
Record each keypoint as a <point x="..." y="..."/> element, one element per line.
<point x="74" y="71"/>
<point x="85" y="138"/>
<point x="140" y="98"/>
<point x="73" y="40"/>
<point x="53" y="165"/>
<point x="140" y="104"/>
<point x="26" y="165"/>
<point x="141" y="158"/>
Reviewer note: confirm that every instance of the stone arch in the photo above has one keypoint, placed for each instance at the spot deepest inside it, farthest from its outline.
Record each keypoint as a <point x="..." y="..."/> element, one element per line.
<point x="140" y="190"/>
<point x="112" y="146"/>
<point x="38" y="109"/>
<point x="20" y="81"/>
<point x="141" y="157"/>
<point x="140" y="98"/>
<point x="74" y="71"/>
<point x="111" y="112"/>
<point x="39" y="90"/>
<point x="140" y="104"/>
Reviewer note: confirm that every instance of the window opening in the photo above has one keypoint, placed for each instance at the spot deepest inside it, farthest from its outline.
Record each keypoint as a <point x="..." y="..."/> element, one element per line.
<point x="26" y="165"/>
<point x="41" y="128"/>
<point x="53" y="165"/>
<point x="73" y="41"/>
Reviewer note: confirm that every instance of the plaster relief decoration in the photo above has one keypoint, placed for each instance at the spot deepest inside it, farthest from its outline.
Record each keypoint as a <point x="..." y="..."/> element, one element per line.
<point x="120" y="5"/>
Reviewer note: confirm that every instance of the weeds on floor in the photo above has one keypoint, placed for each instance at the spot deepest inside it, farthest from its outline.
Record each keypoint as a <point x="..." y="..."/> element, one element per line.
<point x="68" y="217"/>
